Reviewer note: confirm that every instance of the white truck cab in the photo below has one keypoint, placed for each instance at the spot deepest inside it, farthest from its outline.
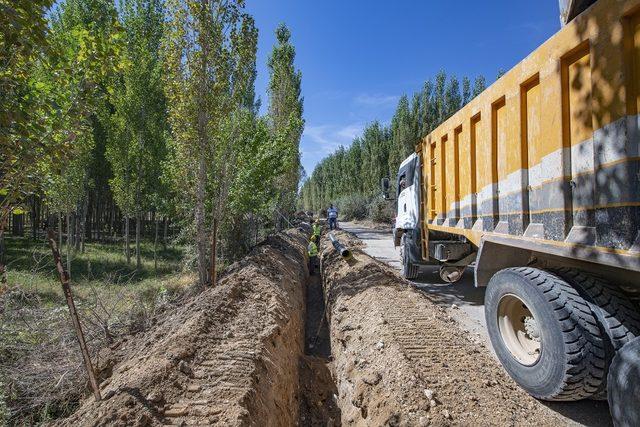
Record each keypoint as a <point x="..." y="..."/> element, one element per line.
<point x="406" y="230"/>
<point x="408" y="195"/>
<point x="451" y="256"/>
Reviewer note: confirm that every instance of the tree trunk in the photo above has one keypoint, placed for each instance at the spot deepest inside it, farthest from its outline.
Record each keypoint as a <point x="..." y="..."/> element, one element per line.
<point x="83" y="223"/>
<point x="201" y="233"/>
<point x="138" y="224"/>
<point x="3" y="274"/>
<point x="97" y="220"/>
<point x="66" y="288"/>
<point x="69" y="237"/>
<point x="127" y="251"/>
<point x="34" y="218"/>
<point x="166" y="233"/>
<point x="257" y="225"/>
<point x="60" y="229"/>
<point x="18" y="225"/>
<point x="112" y="217"/>
<point x="155" y="247"/>
<point x="214" y="251"/>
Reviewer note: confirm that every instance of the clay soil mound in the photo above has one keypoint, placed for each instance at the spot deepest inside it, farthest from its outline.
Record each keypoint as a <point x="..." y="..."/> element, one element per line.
<point x="399" y="359"/>
<point x="228" y="356"/>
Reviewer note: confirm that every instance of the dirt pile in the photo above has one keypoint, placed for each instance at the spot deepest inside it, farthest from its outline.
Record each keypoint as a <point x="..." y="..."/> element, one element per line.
<point x="228" y="356"/>
<point x="401" y="360"/>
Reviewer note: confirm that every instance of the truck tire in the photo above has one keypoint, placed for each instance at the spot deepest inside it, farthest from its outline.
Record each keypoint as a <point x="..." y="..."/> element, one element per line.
<point x="409" y="270"/>
<point x="624" y="386"/>
<point x="616" y="314"/>
<point x="544" y="334"/>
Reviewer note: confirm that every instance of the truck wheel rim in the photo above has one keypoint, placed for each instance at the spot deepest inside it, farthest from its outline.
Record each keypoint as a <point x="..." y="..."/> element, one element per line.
<point x="519" y="330"/>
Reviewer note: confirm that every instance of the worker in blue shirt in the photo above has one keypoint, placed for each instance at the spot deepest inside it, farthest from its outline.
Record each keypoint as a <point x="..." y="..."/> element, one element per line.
<point x="332" y="214"/>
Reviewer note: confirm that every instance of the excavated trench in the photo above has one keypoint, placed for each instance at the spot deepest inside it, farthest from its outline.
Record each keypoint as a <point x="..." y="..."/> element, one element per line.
<point x="318" y="392"/>
<point x="263" y="349"/>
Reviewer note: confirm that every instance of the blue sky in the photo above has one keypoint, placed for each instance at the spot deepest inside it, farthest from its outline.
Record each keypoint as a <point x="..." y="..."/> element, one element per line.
<point x="357" y="57"/>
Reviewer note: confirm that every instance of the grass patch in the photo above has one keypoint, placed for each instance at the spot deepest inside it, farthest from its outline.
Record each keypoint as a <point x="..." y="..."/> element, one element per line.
<point x="41" y="376"/>
<point x="102" y="267"/>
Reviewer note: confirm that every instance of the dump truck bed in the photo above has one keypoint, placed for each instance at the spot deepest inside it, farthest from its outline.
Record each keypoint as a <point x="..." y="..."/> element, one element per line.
<point x="548" y="157"/>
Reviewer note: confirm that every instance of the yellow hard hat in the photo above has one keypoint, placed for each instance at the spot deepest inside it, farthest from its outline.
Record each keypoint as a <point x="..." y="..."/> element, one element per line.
<point x="313" y="238"/>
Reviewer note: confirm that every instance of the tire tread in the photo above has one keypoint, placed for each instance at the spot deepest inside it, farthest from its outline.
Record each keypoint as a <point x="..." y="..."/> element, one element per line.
<point x="584" y="344"/>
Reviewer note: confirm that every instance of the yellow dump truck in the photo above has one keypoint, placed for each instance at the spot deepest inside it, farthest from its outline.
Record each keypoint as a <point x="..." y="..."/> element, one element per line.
<point x="536" y="185"/>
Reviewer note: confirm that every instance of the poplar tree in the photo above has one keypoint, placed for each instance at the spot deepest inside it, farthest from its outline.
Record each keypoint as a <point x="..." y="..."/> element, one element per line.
<point x="428" y="109"/>
<point x="285" y="114"/>
<point x="210" y="54"/>
<point x="26" y="105"/>
<point x="403" y="138"/>
<point x="137" y="144"/>
<point x="453" y="99"/>
<point x="479" y="85"/>
<point x="87" y="42"/>
<point x="440" y="112"/>
<point x="466" y="90"/>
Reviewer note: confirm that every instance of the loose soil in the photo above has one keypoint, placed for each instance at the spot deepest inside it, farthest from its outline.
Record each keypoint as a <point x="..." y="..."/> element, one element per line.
<point x="399" y="359"/>
<point x="228" y="356"/>
<point x="271" y="346"/>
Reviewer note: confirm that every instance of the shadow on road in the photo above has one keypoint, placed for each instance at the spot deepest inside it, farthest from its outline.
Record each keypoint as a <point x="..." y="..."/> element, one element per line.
<point x="461" y="293"/>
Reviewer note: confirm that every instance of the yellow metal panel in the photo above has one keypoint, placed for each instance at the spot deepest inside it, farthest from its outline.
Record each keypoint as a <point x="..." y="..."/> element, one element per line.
<point x="444" y="164"/>
<point x="466" y="165"/>
<point x="499" y="140"/>
<point x="484" y="151"/>
<point x="577" y="90"/>
<point x="474" y="131"/>
<point x="432" y="180"/>
<point x="457" y="161"/>
<point x="635" y="25"/>
<point x="531" y="123"/>
<point x="450" y="174"/>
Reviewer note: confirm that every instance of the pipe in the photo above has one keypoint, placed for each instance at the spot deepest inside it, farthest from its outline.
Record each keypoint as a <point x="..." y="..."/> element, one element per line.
<point x="344" y="252"/>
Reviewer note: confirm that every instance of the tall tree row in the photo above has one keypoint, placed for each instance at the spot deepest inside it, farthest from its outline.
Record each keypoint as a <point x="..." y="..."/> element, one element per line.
<point x="119" y="118"/>
<point x="380" y="150"/>
<point x="222" y="153"/>
<point x="137" y="146"/>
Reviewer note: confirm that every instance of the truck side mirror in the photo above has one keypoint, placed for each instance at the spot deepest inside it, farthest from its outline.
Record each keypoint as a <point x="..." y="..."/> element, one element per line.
<point x="385" y="188"/>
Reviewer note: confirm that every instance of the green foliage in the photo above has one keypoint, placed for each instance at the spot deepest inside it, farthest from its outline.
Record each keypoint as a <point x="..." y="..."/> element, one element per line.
<point x="353" y="207"/>
<point x="466" y="90"/>
<point x="479" y="86"/>
<point x="453" y="99"/>
<point x="261" y="161"/>
<point x="25" y="104"/>
<point x="88" y="42"/>
<point x="138" y="127"/>
<point x="380" y="210"/>
<point x="285" y="114"/>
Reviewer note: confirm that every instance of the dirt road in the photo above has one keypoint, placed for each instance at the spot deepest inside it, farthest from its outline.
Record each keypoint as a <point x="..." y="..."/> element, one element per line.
<point x="465" y="304"/>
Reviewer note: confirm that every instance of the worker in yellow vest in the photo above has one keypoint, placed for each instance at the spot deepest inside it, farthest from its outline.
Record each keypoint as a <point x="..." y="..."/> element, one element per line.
<point x="312" y="250"/>
<point x="317" y="229"/>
